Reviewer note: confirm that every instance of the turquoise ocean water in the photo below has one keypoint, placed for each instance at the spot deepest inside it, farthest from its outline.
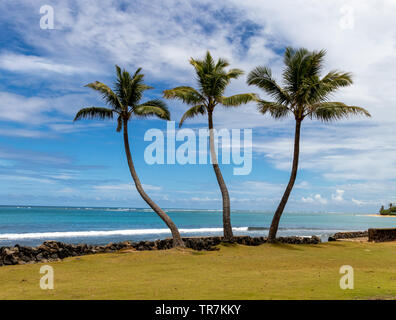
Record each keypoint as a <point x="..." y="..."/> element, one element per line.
<point x="33" y="225"/>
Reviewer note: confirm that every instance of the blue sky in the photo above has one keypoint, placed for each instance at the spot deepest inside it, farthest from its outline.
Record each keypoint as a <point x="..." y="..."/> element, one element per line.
<point x="46" y="159"/>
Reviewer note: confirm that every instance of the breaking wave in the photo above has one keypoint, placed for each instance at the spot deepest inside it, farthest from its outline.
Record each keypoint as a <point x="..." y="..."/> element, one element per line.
<point x="129" y="232"/>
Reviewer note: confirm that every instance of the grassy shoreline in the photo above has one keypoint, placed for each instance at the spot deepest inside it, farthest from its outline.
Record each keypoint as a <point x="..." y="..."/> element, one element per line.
<point x="233" y="272"/>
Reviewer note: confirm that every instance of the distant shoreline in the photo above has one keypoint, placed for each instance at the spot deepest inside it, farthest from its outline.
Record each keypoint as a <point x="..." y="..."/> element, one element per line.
<point x="381" y="215"/>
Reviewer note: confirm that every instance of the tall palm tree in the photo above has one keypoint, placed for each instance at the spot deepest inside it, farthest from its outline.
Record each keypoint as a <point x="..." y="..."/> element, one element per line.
<point x="304" y="94"/>
<point x="212" y="79"/>
<point x="124" y="104"/>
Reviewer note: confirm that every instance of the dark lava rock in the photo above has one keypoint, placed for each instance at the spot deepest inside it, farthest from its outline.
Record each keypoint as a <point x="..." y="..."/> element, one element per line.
<point x="348" y="235"/>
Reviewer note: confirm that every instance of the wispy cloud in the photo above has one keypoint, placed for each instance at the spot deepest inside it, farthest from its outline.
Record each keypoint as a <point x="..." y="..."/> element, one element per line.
<point x="126" y="187"/>
<point x="317" y="198"/>
<point x="37" y="65"/>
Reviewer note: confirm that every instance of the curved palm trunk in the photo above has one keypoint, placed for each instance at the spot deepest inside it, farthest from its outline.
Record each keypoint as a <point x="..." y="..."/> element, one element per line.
<point x="228" y="235"/>
<point x="177" y="241"/>
<point x="278" y="213"/>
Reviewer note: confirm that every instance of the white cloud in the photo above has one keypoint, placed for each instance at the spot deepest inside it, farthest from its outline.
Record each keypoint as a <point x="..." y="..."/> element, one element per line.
<point x="125" y="187"/>
<point x="338" y="152"/>
<point x="62" y="176"/>
<point x="69" y="127"/>
<point x="317" y="199"/>
<point x="37" y="65"/>
<point x="42" y="116"/>
<point x="25" y="133"/>
<point x="320" y="199"/>
<point x="302" y="185"/>
<point x="358" y="202"/>
<point x="205" y="199"/>
<point x="307" y="199"/>
<point x="338" y="196"/>
<point x="25" y="179"/>
<point x="21" y="109"/>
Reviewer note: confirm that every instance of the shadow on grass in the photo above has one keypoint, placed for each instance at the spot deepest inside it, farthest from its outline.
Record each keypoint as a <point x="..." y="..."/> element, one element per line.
<point x="229" y="244"/>
<point x="285" y="246"/>
<point x="197" y="253"/>
<point x="322" y="245"/>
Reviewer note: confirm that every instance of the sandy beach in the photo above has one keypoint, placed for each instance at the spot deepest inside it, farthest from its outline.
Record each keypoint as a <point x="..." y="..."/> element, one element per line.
<point x="382" y="216"/>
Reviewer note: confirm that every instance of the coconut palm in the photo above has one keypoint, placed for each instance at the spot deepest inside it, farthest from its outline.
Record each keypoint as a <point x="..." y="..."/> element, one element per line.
<point x="124" y="103"/>
<point x="212" y="79"/>
<point x="304" y="95"/>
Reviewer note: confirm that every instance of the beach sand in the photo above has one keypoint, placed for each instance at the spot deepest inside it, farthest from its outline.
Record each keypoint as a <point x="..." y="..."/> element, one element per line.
<point x="378" y="215"/>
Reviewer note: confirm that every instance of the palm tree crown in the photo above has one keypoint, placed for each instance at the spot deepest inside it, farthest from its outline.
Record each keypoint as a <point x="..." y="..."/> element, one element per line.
<point x="305" y="93"/>
<point x="212" y="80"/>
<point x="124" y="101"/>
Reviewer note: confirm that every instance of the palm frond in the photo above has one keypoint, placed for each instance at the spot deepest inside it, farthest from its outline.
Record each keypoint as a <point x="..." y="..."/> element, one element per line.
<point x="119" y="72"/>
<point x="331" y="111"/>
<point x="234" y="73"/>
<point x="152" y="108"/>
<point x="333" y="81"/>
<point x="238" y="99"/>
<point x="185" y="94"/>
<point x="300" y="64"/>
<point x="262" y="78"/>
<point x="107" y="94"/>
<point x="212" y="80"/>
<point x="221" y="64"/>
<point x="209" y="64"/>
<point x="129" y="88"/>
<point x="136" y="88"/>
<point x="94" y="113"/>
<point x="305" y="93"/>
<point x="276" y="110"/>
<point x="199" y="65"/>
<point x="192" y="112"/>
<point x="288" y="55"/>
<point x="313" y="89"/>
<point x="314" y="63"/>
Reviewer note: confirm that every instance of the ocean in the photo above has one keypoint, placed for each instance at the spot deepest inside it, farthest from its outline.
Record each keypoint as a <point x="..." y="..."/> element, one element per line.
<point x="32" y="225"/>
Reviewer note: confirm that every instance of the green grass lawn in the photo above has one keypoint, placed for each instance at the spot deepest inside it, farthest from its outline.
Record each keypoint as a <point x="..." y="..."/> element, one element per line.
<point x="233" y="272"/>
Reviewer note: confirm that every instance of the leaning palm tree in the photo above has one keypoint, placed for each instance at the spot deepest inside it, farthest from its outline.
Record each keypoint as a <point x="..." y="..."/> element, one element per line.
<point x="212" y="79"/>
<point x="304" y="94"/>
<point x="124" y="104"/>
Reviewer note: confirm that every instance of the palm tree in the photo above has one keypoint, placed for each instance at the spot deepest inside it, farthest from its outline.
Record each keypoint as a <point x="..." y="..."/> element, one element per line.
<point x="124" y="103"/>
<point x="212" y="79"/>
<point x="304" y="94"/>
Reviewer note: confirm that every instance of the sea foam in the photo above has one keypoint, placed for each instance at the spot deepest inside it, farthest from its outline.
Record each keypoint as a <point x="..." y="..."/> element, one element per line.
<point x="94" y="233"/>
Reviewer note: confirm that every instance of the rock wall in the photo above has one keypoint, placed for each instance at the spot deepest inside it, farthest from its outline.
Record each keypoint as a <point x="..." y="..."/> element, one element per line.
<point x="382" y="235"/>
<point x="348" y="235"/>
<point x="54" y="250"/>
